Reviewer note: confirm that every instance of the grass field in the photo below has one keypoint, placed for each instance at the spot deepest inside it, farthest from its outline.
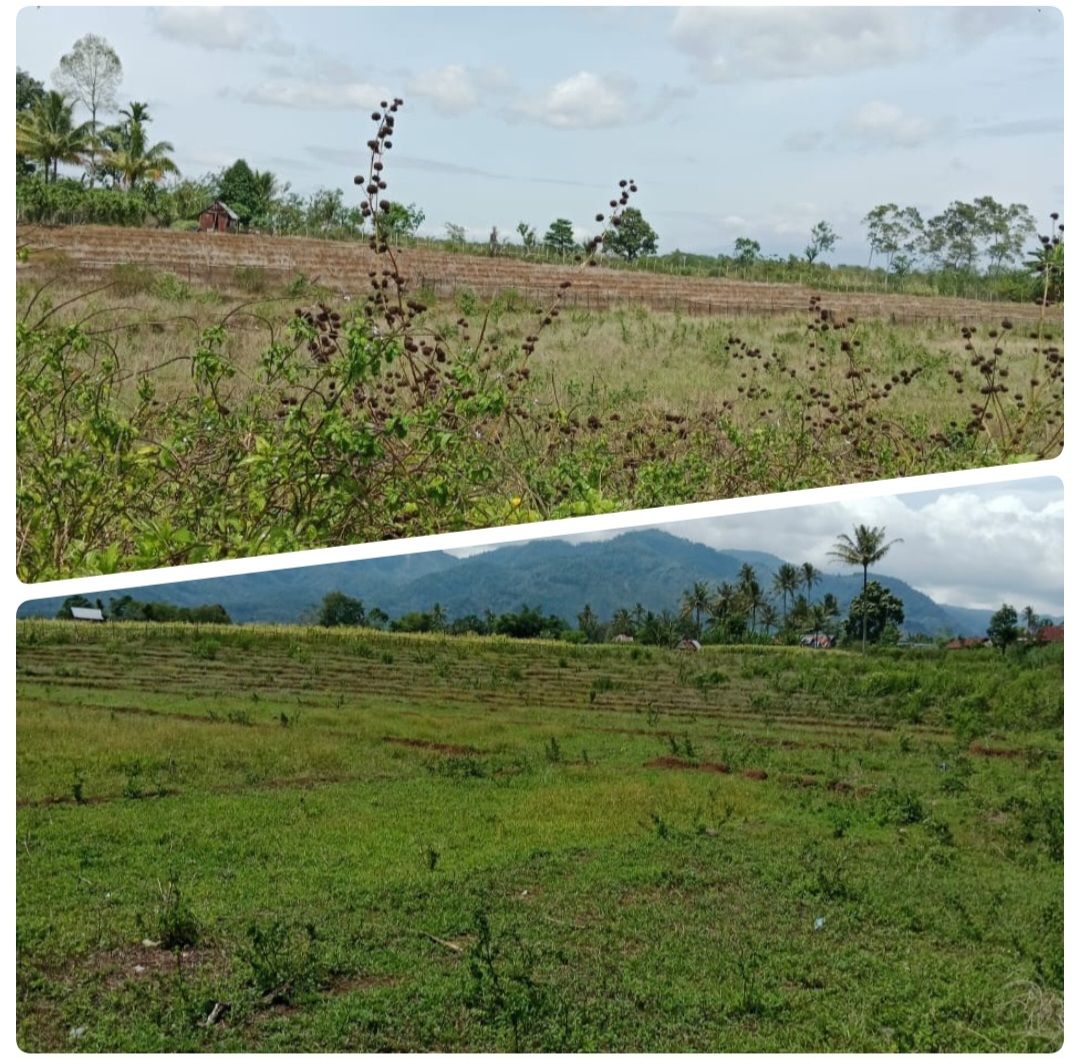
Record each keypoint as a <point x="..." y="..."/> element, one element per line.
<point x="298" y="839"/>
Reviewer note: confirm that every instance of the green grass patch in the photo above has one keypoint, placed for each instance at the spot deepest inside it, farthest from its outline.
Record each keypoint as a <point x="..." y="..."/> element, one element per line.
<point x="417" y="858"/>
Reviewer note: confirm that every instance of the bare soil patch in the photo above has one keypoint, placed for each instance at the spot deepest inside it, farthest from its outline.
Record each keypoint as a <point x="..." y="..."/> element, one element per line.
<point x="438" y="747"/>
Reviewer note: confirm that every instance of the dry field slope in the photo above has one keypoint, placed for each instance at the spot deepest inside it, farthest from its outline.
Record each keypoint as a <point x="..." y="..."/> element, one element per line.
<point x="212" y="259"/>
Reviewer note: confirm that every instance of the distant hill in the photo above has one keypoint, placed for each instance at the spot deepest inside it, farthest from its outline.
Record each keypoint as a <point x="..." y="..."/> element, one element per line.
<point x="647" y="566"/>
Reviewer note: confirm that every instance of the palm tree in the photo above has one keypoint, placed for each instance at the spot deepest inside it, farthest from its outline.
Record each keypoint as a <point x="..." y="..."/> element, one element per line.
<point x="821" y="614"/>
<point x="800" y="614"/>
<point x="129" y="157"/>
<point x="47" y="133"/>
<point x="723" y="606"/>
<point x="809" y="575"/>
<point x="785" y="583"/>
<point x="866" y="549"/>
<point x="622" y="624"/>
<point x="695" y="601"/>
<point x="753" y="601"/>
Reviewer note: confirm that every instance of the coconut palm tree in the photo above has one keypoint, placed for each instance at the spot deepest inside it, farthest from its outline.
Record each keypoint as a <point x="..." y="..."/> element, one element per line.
<point x="129" y="157"/>
<point x="724" y="605"/>
<point x="47" y="133"/>
<point x="785" y="583"/>
<point x="809" y="575"/>
<point x="695" y="602"/>
<point x="866" y="549"/>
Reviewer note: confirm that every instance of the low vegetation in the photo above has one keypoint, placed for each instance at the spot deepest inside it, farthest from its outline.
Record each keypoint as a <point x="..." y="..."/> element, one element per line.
<point x="159" y="426"/>
<point x="336" y="839"/>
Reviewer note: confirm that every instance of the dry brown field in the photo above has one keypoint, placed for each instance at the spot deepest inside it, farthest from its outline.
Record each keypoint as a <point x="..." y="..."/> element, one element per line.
<point x="211" y="260"/>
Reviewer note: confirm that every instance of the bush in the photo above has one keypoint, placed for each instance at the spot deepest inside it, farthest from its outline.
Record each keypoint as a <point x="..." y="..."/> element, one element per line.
<point x="129" y="279"/>
<point x="251" y="279"/>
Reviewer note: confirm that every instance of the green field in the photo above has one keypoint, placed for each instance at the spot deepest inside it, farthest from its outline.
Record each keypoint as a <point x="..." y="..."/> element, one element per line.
<point x="358" y="841"/>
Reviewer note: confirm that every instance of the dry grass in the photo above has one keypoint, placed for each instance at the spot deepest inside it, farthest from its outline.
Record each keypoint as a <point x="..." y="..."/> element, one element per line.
<point x="625" y="360"/>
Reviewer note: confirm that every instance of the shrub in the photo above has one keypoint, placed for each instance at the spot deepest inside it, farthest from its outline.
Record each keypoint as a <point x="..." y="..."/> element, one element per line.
<point x="129" y="279"/>
<point x="251" y="279"/>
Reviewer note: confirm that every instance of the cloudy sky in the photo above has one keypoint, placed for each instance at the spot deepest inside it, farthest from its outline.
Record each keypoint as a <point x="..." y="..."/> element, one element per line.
<point x="978" y="546"/>
<point x="755" y="122"/>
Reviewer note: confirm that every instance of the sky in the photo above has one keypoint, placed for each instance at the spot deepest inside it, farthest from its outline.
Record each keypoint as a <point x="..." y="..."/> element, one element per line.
<point x="979" y="546"/>
<point x="751" y="122"/>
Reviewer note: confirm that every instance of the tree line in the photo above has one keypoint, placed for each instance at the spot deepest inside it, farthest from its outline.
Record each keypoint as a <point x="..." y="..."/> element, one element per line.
<point x="126" y="608"/>
<point x="742" y="611"/>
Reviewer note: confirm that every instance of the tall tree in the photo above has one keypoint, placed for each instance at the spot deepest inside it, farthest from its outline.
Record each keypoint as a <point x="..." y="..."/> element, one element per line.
<point x="632" y="236"/>
<point x="822" y="240"/>
<point x="754" y="601"/>
<point x="952" y="237"/>
<point x="622" y="623"/>
<point x="128" y="156"/>
<point x="747" y="251"/>
<point x="90" y="73"/>
<point x="1003" y="629"/>
<point x="809" y="575"/>
<point x="528" y="236"/>
<point x="894" y="233"/>
<point x="560" y="237"/>
<point x="589" y="625"/>
<point x="398" y="219"/>
<point x="695" y="602"/>
<point x="726" y="614"/>
<point x="340" y="610"/>
<point x="1003" y="229"/>
<point x="240" y="188"/>
<point x="785" y="583"/>
<point x="47" y="133"/>
<point x="768" y="617"/>
<point x="877" y="611"/>
<point x="866" y="549"/>
<point x="28" y="90"/>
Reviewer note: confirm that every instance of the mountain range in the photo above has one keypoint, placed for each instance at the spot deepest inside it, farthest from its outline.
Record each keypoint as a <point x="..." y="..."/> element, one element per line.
<point x="645" y="566"/>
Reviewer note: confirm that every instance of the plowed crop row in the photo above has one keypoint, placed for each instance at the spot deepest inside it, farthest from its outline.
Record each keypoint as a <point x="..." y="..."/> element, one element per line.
<point x="212" y="260"/>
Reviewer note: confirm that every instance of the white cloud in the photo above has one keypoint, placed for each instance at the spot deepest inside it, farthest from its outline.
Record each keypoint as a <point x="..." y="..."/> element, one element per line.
<point x="974" y="24"/>
<point x="727" y="44"/>
<point x="887" y="124"/>
<point x="221" y="28"/>
<point x="583" y="101"/>
<point x="735" y="44"/>
<point x="455" y="90"/>
<point x="976" y="547"/>
<point x="316" y="95"/>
